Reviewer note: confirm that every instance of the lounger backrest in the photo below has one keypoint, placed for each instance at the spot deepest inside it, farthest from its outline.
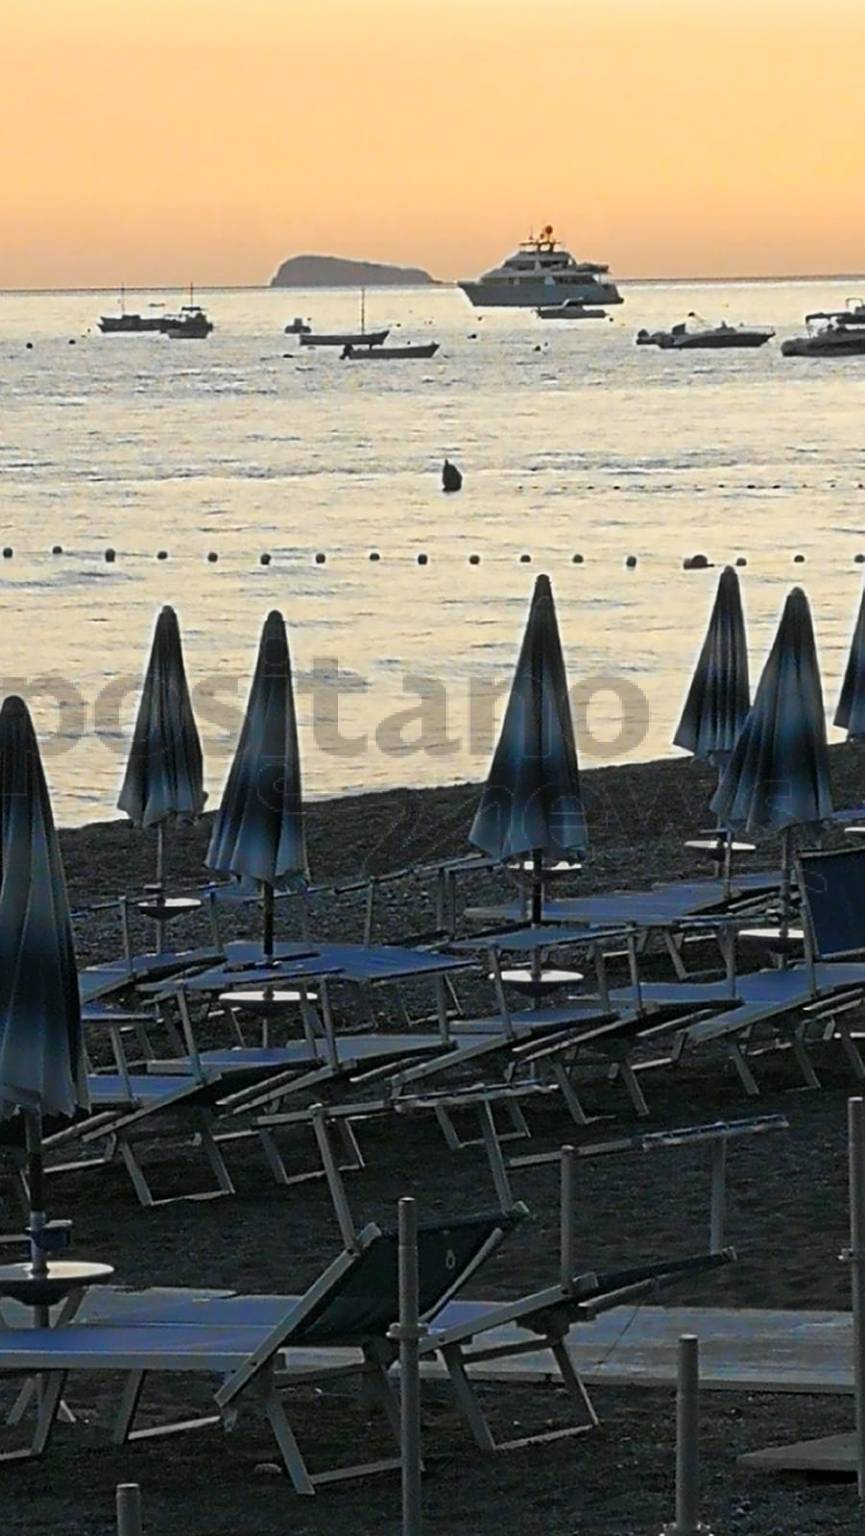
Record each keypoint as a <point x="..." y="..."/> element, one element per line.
<point x="833" y="900"/>
<point x="356" y="1299"/>
<point x="366" y="1301"/>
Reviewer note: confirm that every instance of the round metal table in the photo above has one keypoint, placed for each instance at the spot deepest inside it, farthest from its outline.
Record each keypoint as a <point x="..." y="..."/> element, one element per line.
<point x="18" y="1282"/>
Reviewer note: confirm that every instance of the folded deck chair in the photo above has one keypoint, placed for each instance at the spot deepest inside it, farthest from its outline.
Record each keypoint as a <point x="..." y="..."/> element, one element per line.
<point x="351" y="1306"/>
<point x="542" y="1322"/>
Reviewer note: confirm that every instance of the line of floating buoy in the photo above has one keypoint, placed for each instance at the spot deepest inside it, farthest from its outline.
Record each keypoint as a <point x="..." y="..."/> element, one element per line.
<point x="695" y="562"/>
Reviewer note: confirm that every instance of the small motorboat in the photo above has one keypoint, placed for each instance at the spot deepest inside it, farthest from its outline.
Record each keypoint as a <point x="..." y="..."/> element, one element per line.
<point x="571" y="309"/>
<point x="388" y="354"/>
<point x="696" y="332"/>
<point x="190" y="322"/>
<point x="826" y="339"/>
<point x="343" y="339"/>
<point x="298" y="327"/>
<point x="852" y="314"/>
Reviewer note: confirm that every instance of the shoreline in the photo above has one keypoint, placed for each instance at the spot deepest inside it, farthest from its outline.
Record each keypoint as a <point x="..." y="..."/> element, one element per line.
<point x="639" y="815"/>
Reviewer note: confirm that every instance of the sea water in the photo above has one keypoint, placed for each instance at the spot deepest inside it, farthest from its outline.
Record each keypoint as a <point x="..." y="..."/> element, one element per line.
<point x="572" y="441"/>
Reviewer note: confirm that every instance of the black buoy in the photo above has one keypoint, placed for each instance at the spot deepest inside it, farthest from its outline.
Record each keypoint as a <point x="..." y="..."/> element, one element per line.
<point x="264" y="559"/>
<point x="798" y="559"/>
<point x="740" y="560"/>
<point x="8" y="552"/>
<point x="452" y="479"/>
<point x="110" y="556"/>
<point x="423" y="559"/>
<point x="860" y="559"/>
<point x="695" y="563"/>
<point x="525" y="559"/>
<point x="212" y="556"/>
<point x="374" y="555"/>
<point x="29" y="346"/>
<point x="576" y="559"/>
<point x="72" y="341"/>
<point x="474" y="559"/>
<point x="630" y="562"/>
<point x="320" y="558"/>
<point x="162" y="554"/>
<point x="57" y="549"/>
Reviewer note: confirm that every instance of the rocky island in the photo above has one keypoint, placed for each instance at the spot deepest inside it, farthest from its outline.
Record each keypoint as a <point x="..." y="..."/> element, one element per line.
<point x="341" y="272"/>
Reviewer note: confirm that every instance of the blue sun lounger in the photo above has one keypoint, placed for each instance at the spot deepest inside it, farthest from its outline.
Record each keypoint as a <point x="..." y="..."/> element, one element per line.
<point x="351" y="1306"/>
<point x="826" y="985"/>
<point x="463" y="1334"/>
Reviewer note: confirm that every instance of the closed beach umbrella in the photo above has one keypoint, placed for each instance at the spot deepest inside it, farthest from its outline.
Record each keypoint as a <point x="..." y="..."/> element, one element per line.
<point x="42" y="1068"/>
<point x="164" y="774"/>
<point x="850" y="714"/>
<point x="778" y="775"/>
<point x="719" y="696"/>
<point x="531" y="803"/>
<point x="258" y="831"/>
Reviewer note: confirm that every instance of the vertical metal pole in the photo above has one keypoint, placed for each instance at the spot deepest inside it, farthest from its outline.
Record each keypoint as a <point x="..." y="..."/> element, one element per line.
<point x="129" y="1510"/>
<point x="537" y="886"/>
<point x="36" y="1187"/>
<point x="687" y="1437"/>
<point x="267" y="905"/>
<point x="786" y="837"/>
<point x="369" y="917"/>
<point x="537" y="918"/>
<point x="856" y="1154"/>
<point x="440" y="900"/>
<point x="568" y="1232"/>
<point x="717" y="1221"/>
<point x="728" y="865"/>
<point x="409" y="1369"/>
<point x="160" y="880"/>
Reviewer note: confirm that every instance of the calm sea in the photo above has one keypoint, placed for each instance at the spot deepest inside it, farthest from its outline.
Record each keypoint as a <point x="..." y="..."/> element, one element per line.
<point x="572" y="440"/>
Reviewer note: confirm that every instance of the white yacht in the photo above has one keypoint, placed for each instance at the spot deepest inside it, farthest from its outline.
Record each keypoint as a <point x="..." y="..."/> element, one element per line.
<point x="542" y="272"/>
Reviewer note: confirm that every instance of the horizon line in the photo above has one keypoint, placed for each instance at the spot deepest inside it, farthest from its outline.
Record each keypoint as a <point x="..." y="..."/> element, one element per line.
<point x="269" y="287"/>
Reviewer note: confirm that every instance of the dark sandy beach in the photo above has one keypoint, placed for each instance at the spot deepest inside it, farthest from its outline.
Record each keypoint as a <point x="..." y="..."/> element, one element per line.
<point x="788" y="1218"/>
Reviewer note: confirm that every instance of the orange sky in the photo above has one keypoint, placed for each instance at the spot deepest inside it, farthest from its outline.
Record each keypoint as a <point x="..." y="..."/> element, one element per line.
<point x="150" y="141"/>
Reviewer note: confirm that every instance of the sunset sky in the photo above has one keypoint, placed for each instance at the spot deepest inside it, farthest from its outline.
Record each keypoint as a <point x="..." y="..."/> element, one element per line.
<point x="150" y="141"/>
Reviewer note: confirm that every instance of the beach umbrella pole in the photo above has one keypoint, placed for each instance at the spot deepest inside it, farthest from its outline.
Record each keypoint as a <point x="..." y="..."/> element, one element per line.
<point x="537" y="908"/>
<point x="267" y="906"/>
<point x="160" y="881"/>
<point x="36" y="1189"/>
<point x="725" y="836"/>
<point x="786" y="871"/>
<point x="856" y="1153"/>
